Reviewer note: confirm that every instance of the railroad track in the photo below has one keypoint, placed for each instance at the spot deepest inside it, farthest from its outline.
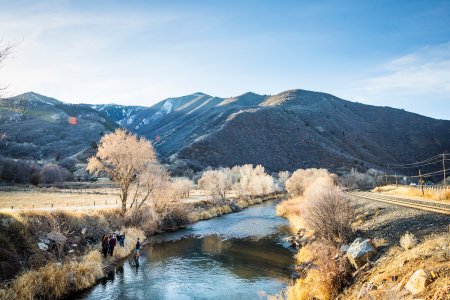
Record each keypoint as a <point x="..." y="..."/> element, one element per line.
<point x="436" y="207"/>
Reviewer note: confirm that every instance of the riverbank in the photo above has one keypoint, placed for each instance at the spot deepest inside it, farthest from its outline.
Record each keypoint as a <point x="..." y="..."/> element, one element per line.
<point x="402" y="242"/>
<point x="24" y="238"/>
<point x="240" y="255"/>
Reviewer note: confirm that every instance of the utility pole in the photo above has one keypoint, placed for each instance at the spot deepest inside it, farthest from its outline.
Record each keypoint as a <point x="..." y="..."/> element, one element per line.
<point x="421" y="182"/>
<point x="385" y="178"/>
<point x="396" y="181"/>
<point x="443" y="168"/>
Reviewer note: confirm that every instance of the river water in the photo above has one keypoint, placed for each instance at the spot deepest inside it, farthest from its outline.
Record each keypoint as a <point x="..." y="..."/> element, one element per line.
<point x="236" y="256"/>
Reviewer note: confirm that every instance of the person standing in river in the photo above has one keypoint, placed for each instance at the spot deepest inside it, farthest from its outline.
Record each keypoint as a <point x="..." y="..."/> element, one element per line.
<point x="138" y="246"/>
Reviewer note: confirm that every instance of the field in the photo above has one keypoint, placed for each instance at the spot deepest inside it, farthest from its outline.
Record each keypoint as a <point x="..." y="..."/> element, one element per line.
<point x="73" y="199"/>
<point x="48" y="201"/>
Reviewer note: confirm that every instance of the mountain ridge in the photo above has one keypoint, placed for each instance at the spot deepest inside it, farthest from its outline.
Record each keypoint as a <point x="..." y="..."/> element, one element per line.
<point x="292" y="129"/>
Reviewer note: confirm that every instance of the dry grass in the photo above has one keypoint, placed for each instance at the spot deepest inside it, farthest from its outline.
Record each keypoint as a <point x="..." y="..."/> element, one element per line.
<point x="407" y="191"/>
<point x="131" y="236"/>
<point x="323" y="277"/>
<point x="292" y="210"/>
<point x="28" y="200"/>
<point x="408" y="241"/>
<point x="392" y="271"/>
<point x="56" y="280"/>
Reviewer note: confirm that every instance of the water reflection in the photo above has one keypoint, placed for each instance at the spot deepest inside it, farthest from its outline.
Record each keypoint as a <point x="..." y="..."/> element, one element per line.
<point x="236" y="256"/>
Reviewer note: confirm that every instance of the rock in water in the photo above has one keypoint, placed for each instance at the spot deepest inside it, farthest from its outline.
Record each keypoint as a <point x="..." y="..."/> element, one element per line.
<point x="360" y="252"/>
<point x="418" y="282"/>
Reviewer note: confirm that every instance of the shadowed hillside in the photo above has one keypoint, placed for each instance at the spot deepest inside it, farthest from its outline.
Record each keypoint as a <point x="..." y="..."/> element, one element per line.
<point x="39" y="127"/>
<point x="291" y="130"/>
<point x="300" y="129"/>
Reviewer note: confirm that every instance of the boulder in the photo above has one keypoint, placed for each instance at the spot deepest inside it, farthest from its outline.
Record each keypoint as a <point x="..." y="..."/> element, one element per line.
<point x="83" y="231"/>
<point x="360" y="252"/>
<point x="418" y="282"/>
<point x="344" y="248"/>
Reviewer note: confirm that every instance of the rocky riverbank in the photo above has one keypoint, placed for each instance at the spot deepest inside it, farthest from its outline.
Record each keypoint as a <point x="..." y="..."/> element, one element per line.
<point x="395" y="253"/>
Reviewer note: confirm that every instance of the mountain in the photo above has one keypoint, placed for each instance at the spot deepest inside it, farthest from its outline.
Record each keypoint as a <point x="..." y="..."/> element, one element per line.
<point x="179" y="122"/>
<point x="301" y="128"/>
<point x="293" y="129"/>
<point x="38" y="127"/>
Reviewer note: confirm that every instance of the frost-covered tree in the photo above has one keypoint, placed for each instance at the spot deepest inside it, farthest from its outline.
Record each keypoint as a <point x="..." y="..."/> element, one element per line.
<point x="370" y="179"/>
<point x="217" y="182"/>
<point x="182" y="187"/>
<point x="249" y="180"/>
<point x="283" y="176"/>
<point x="125" y="158"/>
<point x="147" y="185"/>
<point x="303" y="178"/>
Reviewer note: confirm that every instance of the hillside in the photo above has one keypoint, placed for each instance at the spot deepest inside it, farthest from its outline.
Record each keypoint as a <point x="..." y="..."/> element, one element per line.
<point x="39" y="127"/>
<point x="307" y="129"/>
<point x="290" y="130"/>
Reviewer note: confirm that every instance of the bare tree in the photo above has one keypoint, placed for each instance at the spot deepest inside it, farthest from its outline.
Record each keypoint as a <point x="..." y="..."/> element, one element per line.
<point x="283" y="176"/>
<point x="329" y="214"/>
<point x="217" y="182"/>
<point x="125" y="158"/>
<point x="303" y="178"/>
<point x="4" y="52"/>
<point x="152" y="180"/>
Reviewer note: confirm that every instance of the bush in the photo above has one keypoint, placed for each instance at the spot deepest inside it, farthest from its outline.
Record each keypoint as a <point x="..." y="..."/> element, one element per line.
<point x="18" y="171"/>
<point x="54" y="173"/>
<point x="68" y="163"/>
<point x="357" y="180"/>
<point x="325" y="277"/>
<point x="303" y="178"/>
<point x="408" y="241"/>
<point x="329" y="214"/>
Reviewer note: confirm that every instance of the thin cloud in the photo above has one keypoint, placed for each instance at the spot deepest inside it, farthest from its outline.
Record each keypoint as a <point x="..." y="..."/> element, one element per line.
<point x="427" y="69"/>
<point x="418" y="81"/>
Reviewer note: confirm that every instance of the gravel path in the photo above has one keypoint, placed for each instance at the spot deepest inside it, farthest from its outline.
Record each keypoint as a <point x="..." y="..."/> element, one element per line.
<point x="389" y="221"/>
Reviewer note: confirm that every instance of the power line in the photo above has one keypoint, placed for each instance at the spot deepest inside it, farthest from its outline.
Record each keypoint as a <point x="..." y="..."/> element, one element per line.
<point x="414" y="164"/>
<point x="423" y="175"/>
<point x="421" y="165"/>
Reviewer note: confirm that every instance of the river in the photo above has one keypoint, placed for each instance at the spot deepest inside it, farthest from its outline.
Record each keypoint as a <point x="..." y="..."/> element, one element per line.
<point x="236" y="256"/>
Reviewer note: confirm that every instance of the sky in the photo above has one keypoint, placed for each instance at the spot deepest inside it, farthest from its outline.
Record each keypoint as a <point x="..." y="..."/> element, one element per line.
<point x="388" y="53"/>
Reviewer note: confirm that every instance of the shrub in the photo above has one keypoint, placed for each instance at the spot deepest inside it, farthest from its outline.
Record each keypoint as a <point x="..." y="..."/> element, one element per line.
<point x="54" y="173"/>
<point x="325" y="276"/>
<point x="329" y="214"/>
<point x="303" y="178"/>
<point x="408" y="241"/>
<point x="367" y="180"/>
<point x="18" y="171"/>
<point x="68" y="163"/>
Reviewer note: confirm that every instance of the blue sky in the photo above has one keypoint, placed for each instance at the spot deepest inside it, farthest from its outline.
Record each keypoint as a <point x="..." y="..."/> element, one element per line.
<point x="390" y="53"/>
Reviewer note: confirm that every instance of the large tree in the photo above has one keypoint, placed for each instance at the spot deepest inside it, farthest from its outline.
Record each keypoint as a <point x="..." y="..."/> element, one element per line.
<point x="5" y="50"/>
<point x="126" y="159"/>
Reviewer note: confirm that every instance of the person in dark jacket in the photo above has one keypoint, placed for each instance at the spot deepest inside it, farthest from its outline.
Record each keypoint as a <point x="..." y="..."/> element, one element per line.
<point x="112" y="244"/>
<point x="105" y="245"/>
<point x="121" y="239"/>
<point x="138" y="246"/>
